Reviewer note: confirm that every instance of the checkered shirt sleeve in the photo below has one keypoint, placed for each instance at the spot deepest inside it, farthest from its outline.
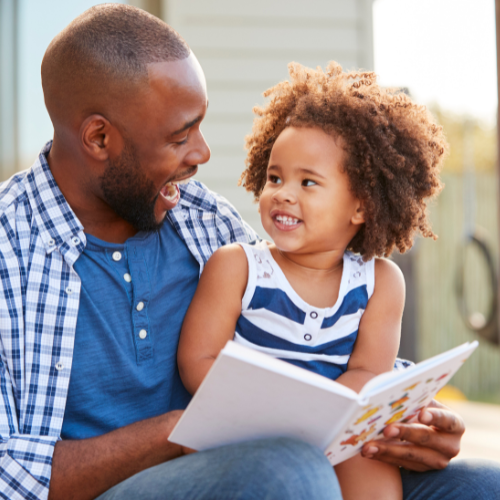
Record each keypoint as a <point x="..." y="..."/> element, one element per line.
<point x="28" y="382"/>
<point x="207" y="221"/>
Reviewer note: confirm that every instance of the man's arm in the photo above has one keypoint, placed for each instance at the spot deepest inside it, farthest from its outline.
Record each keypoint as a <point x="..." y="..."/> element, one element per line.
<point x="427" y="445"/>
<point x="84" y="469"/>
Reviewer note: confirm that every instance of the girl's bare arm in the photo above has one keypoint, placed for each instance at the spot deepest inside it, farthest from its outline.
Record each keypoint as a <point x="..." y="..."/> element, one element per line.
<point x="212" y="315"/>
<point x="379" y="331"/>
<point x="374" y="353"/>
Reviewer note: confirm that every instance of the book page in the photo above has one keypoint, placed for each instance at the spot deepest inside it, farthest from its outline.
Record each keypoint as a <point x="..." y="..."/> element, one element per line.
<point x="400" y="397"/>
<point x="385" y="379"/>
<point x="257" y="397"/>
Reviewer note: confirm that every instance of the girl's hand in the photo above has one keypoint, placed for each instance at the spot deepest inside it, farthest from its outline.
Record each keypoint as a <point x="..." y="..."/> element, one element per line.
<point x="427" y="445"/>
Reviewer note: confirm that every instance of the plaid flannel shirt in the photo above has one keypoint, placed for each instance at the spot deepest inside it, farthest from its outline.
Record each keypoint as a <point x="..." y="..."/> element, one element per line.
<point x="40" y="240"/>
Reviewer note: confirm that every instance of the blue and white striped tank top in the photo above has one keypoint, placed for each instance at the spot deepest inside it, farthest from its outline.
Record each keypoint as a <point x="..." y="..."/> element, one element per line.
<point x="275" y="320"/>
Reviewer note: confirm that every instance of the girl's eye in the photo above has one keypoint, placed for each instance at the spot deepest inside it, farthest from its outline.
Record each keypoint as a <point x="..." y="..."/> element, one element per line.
<point x="274" y="179"/>
<point x="308" y="183"/>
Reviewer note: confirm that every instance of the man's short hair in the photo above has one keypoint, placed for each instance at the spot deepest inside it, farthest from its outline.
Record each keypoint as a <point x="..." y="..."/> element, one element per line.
<point x="108" y="44"/>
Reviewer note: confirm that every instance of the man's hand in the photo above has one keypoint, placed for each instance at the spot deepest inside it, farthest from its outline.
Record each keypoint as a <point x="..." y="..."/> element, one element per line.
<point x="429" y="444"/>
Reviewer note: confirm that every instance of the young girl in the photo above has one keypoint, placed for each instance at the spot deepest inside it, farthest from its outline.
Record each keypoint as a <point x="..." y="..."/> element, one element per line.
<point x="341" y="169"/>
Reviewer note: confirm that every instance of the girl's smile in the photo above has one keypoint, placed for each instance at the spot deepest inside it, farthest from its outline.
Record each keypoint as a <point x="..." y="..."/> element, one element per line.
<point x="284" y="221"/>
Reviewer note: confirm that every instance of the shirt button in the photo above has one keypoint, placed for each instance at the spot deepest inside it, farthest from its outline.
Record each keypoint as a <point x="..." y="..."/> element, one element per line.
<point x="51" y="242"/>
<point x="307" y="336"/>
<point x="143" y="334"/>
<point x="69" y="290"/>
<point x="59" y="366"/>
<point x="314" y="315"/>
<point x="140" y="306"/>
<point x="75" y="240"/>
<point x="117" y="256"/>
<point x="127" y="277"/>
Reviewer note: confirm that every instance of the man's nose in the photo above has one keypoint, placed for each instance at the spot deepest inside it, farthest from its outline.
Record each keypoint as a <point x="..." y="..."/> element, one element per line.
<point x="201" y="152"/>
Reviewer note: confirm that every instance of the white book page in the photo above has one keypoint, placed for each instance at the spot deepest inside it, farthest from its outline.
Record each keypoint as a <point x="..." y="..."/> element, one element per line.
<point x="397" y="398"/>
<point x="250" y="395"/>
<point x="384" y="380"/>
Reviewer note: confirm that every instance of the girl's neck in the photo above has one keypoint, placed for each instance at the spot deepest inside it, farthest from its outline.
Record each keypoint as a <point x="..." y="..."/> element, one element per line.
<point x="316" y="277"/>
<point x="323" y="263"/>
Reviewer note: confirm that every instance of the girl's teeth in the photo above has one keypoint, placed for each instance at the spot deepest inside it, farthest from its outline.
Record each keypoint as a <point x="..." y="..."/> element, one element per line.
<point x="288" y="221"/>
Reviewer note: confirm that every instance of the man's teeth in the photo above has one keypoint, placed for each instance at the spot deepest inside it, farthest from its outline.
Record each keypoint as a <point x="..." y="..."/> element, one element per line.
<point x="171" y="192"/>
<point x="285" y="219"/>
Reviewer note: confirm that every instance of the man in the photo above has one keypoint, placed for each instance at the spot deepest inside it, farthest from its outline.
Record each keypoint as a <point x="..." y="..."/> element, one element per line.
<point x="100" y="253"/>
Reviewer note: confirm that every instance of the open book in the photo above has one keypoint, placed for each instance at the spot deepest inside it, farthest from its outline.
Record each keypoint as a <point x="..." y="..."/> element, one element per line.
<point x="249" y="395"/>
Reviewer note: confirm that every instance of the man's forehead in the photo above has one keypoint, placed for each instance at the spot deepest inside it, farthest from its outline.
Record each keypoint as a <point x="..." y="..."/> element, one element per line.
<point x="179" y="74"/>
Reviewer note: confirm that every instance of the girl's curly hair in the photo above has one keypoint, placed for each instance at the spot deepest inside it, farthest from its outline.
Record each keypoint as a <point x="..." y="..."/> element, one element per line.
<point x="394" y="150"/>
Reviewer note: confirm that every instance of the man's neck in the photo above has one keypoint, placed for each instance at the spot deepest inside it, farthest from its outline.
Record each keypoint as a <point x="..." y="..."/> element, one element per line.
<point x="97" y="218"/>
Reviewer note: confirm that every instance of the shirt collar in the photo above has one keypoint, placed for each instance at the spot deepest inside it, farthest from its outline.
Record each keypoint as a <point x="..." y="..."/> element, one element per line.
<point x="56" y="221"/>
<point x="195" y="195"/>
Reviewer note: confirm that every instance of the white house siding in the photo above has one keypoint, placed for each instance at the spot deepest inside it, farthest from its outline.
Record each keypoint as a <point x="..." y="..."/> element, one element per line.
<point x="244" y="48"/>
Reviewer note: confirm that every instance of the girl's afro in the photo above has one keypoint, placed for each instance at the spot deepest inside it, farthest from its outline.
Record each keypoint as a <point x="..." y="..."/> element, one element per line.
<point x="394" y="150"/>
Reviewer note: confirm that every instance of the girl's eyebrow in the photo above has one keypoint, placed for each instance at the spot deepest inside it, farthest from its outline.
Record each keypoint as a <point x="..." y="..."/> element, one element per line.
<point x="311" y="172"/>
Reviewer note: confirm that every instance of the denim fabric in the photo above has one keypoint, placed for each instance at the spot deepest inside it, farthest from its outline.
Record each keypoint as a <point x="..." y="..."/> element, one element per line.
<point x="281" y="469"/>
<point x="289" y="469"/>
<point x="472" y="479"/>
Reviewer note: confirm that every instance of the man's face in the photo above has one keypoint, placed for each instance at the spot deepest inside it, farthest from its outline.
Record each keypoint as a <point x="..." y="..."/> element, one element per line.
<point x="163" y="144"/>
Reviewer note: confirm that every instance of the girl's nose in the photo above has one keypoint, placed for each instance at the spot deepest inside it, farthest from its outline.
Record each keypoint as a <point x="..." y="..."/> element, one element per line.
<point x="284" y="195"/>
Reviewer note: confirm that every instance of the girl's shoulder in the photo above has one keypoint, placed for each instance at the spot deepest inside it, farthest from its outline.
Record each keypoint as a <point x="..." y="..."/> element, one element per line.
<point x="388" y="271"/>
<point x="227" y="257"/>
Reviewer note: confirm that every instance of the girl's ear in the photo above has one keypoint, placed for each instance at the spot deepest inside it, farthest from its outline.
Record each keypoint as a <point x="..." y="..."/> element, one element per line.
<point x="359" y="215"/>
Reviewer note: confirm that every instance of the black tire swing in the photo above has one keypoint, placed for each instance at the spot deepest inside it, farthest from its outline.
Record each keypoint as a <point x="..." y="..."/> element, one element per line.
<point x="484" y="325"/>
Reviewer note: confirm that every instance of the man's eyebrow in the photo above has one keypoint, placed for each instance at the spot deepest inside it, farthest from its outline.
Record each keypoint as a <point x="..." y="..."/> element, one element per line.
<point x="188" y="125"/>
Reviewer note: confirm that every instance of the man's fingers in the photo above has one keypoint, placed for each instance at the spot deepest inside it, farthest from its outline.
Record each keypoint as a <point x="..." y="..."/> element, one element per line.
<point x="407" y="455"/>
<point x="426" y="437"/>
<point x="444" y="420"/>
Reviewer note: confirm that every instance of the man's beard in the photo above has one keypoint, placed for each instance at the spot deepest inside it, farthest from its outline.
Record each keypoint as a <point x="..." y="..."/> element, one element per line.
<point x="129" y="192"/>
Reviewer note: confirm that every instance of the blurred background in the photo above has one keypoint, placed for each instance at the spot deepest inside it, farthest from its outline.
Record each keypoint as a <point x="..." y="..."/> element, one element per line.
<point x="442" y="52"/>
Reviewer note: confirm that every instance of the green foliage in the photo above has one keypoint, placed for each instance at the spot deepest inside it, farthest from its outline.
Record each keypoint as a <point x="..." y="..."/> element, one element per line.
<point x="485" y="141"/>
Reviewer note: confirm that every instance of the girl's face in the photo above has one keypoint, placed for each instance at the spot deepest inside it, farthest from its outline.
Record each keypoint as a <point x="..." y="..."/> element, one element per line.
<point x="307" y="205"/>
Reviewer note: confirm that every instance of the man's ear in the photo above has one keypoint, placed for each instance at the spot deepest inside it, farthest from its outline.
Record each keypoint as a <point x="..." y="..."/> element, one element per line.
<point x="99" y="138"/>
<point x="359" y="215"/>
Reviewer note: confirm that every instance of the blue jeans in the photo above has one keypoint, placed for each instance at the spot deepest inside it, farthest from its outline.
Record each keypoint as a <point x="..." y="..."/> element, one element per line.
<point x="289" y="469"/>
<point x="255" y="470"/>
<point x="472" y="479"/>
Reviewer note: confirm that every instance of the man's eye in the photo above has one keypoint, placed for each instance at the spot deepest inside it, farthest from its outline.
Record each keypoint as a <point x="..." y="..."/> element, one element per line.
<point x="274" y="179"/>
<point x="180" y="143"/>
<point x="308" y="183"/>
